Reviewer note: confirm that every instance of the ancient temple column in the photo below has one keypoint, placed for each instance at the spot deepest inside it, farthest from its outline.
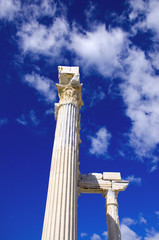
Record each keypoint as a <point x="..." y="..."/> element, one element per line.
<point x="112" y="215"/>
<point x="60" y="222"/>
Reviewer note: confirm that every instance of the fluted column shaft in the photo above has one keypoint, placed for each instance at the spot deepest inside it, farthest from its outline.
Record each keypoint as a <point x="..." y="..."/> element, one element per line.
<point x="112" y="215"/>
<point x="60" y="216"/>
<point x="60" y="221"/>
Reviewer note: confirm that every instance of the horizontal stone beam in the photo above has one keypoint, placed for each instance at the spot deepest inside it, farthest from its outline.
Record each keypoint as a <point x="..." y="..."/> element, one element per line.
<point x="94" y="183"/>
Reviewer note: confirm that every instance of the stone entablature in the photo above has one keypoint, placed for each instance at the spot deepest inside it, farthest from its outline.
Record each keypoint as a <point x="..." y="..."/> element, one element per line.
<point x="99" y="183"/>
<point x="108" y="184"/>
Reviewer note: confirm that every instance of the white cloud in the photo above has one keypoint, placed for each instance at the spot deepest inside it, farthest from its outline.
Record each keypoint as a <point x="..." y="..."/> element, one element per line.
<point x="39" y="39"/>
<point x="95" y="96"/>
<point x="152" y="17"/>
<point x="30" y="118"/>
<point x="95" y="237"/>
<point x="128" y="221"/>
<point x="146" y="15"/>
<point x="100" y="142"/>
<point x="140" y="93"/>
<point x="47" y="7"/>
<point x="33" y="118"/>
<point x="137" y="7"/>
<point x="44" y="86"/>
<point x="157" y="213"/>
<point x="12" y="8"/>
<point x="99" y="48"/>
<point x="152" y="235"/>
<point x="9" y="9"/>
<point x="133" y="179"/>
<point x="154" y="55"/>
<point x="3" y="121"/>
<point x="22" y="120"/>
<point x="102" y="49"/>
<point x="142" y="220"/>
<point x="128" y="234"/>
<point x="49" y="111"/>
<point x="83" y="234"/>
<point x="105" y="234"/>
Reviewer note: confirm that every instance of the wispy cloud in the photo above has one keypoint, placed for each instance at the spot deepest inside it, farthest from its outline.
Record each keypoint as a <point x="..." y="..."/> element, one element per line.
<point x="128" y="221"/>
<point x="22" y="120"/>
<point x="157" y="213"/>
<point x="100" y="142"/>
<point x="49" y="111"/>
<point x="152" y="235"/>
<point x="95" y="237"/>
<point x="3" y="121"/>
<point x="142" y="220"/>
<point x="133" y="179"/>
<point x="83" y="234"/>
<point x="44" y="86"/>
<point x="31" y="118"/>
<point x="39" y="9"/>
<point x="105" y="234"/>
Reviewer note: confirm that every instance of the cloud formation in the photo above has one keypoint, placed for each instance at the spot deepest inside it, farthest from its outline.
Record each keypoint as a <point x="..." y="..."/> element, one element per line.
<point x="127" y="233"/>
<point x="36" y="38"/>
<point x="140" y="94"/>
<point x="83" y="234"/>
<point x="100" y="142"/>
<point x="95" y="237"/>
<point x="30" y="118"/>
<point x="133" y="179"/>
<point x="105" y="49"/>
<point x="44" y="86"/>
<point x="152" y="235"/>
<point x="9" y="9"/>
<point x="128" y="221"/>
<point x="99" y="48"/>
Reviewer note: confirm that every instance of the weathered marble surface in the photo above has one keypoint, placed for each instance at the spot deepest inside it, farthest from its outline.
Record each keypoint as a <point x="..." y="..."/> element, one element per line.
<point x="60" y="222"/>
<point x="109" y="184"/>
<point x="112" y="176"/>
<point x="98" y="182"/>
<point x="112" y="216"/>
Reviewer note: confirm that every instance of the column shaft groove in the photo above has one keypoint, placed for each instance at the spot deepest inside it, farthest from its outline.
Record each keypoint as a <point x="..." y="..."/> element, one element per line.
<point x="60" y="214"/>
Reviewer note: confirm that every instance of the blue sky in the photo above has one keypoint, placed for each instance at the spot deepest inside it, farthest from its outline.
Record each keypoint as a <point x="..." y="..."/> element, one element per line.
<point x="115" y="44"/>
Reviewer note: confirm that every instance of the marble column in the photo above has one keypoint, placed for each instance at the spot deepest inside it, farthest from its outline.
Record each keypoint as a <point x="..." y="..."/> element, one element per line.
<point x="112" y="215"/>
<point x="60" y="221"/>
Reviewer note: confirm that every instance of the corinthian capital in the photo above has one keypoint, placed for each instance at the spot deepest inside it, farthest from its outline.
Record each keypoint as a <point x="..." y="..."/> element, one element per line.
<point x="69" y="87"/>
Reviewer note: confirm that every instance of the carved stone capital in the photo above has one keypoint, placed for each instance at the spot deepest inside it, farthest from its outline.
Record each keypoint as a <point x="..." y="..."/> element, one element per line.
<point x="70" y="94"/>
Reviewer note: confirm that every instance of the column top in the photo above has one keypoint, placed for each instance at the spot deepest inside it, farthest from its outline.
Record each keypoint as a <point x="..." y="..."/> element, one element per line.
<point x="69" y="87"/>
<point x="68" y="75"/>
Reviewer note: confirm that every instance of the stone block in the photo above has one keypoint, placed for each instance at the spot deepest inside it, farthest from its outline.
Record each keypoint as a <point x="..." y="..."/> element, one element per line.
<point x="111" y="176"/>
<point x="66" y="74"/>
<point x="95" y="175"/>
